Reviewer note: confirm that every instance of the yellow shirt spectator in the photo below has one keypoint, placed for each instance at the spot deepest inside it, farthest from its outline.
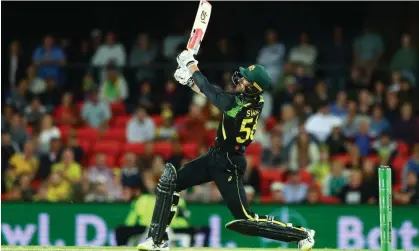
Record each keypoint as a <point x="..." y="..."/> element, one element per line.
<point x="60" y="192"/>
<point x="22" y="165"/>
<point x="72" y="172"/>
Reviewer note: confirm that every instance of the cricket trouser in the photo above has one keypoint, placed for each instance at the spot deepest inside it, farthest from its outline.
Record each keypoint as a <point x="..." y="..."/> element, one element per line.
<point x="226" y="171"/>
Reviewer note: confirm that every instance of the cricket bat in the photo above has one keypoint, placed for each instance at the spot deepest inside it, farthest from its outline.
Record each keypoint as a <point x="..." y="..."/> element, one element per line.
<point x="199" y="26"/>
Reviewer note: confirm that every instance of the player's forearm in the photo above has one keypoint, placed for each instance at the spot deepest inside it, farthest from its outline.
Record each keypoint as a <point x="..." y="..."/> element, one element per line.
<point x="195" y="88"/>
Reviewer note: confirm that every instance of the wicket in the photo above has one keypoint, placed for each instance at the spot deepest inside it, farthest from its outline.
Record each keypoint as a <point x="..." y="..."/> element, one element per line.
<point x="385" y="204"/>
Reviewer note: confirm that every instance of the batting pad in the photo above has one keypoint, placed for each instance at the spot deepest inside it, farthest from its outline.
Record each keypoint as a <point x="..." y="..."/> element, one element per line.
<point x="267" y="229"/>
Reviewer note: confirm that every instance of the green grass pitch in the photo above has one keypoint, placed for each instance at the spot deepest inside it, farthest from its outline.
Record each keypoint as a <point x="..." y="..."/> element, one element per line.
<point x="38" y="248"/>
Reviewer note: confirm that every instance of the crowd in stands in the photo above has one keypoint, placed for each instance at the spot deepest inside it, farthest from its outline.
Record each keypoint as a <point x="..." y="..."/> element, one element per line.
<point x="320" y="138"/>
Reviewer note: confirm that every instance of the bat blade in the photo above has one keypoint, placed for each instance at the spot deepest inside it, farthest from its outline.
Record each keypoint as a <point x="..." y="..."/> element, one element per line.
<point x="199" y="27"/>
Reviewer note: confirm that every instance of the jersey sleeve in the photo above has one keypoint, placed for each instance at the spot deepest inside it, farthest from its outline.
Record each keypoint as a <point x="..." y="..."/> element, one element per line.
<point x="222" y="100"/>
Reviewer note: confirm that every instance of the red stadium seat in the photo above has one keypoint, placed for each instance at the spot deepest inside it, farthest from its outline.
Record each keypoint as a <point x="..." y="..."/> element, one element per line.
<point x="110" y="147"/>
<point x="79" y="107"/>
<point x="64" y="129"/>
<point x="180" y="120"/>
<point x="118" y="109"/>
<point x="374" y="159"/>
<point x="267" y="176"/>
<point x="270" y="123"/>
<point x="137" y="148"/>
<point x="210" y="137"/>
<point x="190" y="150"/>
<point x="86" y="145"/>
<point x="397" y="166"/>
<point x="88" y="133"/>
<point x="117" y="134"/>
<point x="402" y="149"/>
<point x="329" y="200"/>
<point x="343" y="158"/>
<point x="121" y="121"/>
<point x="157" y="119"/>
<point x="164" y="148"/>
<point x="254" y="149"/>
<point x="29" y="130"/>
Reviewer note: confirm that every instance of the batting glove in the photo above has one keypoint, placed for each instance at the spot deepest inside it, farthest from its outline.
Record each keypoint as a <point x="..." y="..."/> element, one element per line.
<point x="183" y="76"/>
<point x="186" y="59"/>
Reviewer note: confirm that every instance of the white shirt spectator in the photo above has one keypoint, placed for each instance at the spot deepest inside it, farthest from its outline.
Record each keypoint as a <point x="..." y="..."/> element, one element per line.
<point x="95" y="113"/>
<point x="45" y="137"/>
<point x="303" y="53"/>
<point x="321" y="125"/>
<point x="267" y="106"/>
<point x="272" y="57"/>
<point x="140" y="131"/>
<point x="295" y="193"/>
<point x="107" y="53"/>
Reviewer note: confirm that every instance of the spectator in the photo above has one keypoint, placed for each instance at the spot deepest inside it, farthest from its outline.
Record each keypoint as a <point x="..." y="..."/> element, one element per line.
<point x="356" y="82"/>
<point x="100" y="170"/>
<point x="395" y="81"/>
<point x="391" y="110"/>
<point x="58" y="189"/>
<point x="26" y="190"/>
<point x="52" y="95"/>
<point x="410" y="193"/>
<point x="8" y="149"/>
<point x="288" y="71"/>
<point x="340" y="107"/>
<point x="350" y="125"/>
<point x="379" y="123"/>
<point x="250" y="194"/>
<point x="407" y="93"/>
<point x="305" y="82"/>
<point x="272" y="55"/>
<point x="96" y="39"/>
<point x="20" y="96"/>
<point x="321" y="123"/>
<point x="406" y="129"/>
<point x="172" y="95"/>
<point x="354" y="192"/>
<point x="336" y="55"/>
<point x="177" y="156"/>
<point x="6" y="116"/>
<point x="144" y="161"/>
<point x="321" y="169"/>
<point x="85" y="52"/>
<point x="34" y="112"/>
<point x="172" y="42"/>
<point x="25" y="163"/>
<point x="336" y="180"/>
<point x="289" y="124"/>
<point x="146" y="98"/>
<point x="132" y="176"/>
<point x="115" y="188"/>
<point x="355" y="160"/>
<point x="274" y="156"/>
<point x="277" y="192"/>
<point x="96" y="113"/>
<point x="110" y="51"/>
<point x="141" y="127"/>
<point x="100" y="192"/>
<point x="370" y="181"/>
<point x="67" y="113"/>
<point x="367" y="50"/>
<point x="37" y="85"/>
<point x="114" y="88"/>
<point x="295" y="191"/>
<point x="362" y="138"/>
<point x="303" y="153"/>
<point x="15" y="65"/>
<point x="336" y="142"/>
<point x="68" y="168"/>
<point x="49" y="58"/>
<point x="379" y="94"/>
<point x="313" y="196"/>
<point x="302" y="110"/>
<point x="193" y="129"/>
<point x="166" y="131"/>
<point x="48" y="159"/>
<point x="304" y="53"/>
<point x="412" y="165"/>
<point x="287" y="95"/>
<point x="385" y="147"/>
<point x="48" y="131"/>
<point x="73" y="143"/>
<point x="141" y="56"/>
<point x="405" y="58"/>
<point x="364" y="102"/>
<point x="17" y="131"/>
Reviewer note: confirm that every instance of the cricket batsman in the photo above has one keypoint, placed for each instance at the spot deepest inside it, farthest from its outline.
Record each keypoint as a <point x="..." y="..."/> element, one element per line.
<point x="224" y="163"/>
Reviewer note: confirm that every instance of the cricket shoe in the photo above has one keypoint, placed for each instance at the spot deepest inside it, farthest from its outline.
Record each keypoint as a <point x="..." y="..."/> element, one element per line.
<point x="149" y="245"/>
<point x="307" y="243"/>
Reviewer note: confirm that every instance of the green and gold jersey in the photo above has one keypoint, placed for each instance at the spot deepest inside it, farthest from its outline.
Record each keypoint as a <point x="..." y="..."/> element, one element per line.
<point x="238" y="125"/>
